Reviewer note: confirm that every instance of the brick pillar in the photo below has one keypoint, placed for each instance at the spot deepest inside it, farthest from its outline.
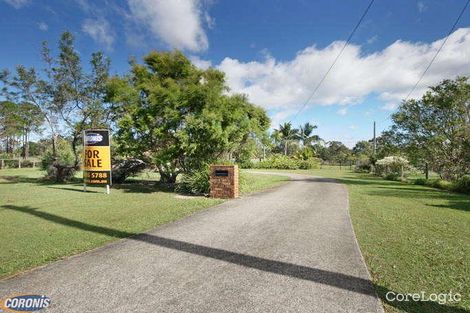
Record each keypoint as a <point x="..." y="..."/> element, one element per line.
<point x="224" y="181"/>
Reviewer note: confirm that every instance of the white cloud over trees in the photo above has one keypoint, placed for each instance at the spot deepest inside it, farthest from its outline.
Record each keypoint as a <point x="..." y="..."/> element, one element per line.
<point x="390" y="73"/>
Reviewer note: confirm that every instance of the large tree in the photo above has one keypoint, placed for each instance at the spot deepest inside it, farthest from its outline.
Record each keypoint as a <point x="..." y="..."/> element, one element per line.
<point x="77" y="94"/>
<point x="178" y="117"/>
<point x="69" y="98"/>
<point x="17" y="121"/>
<point x="437" y="127"/>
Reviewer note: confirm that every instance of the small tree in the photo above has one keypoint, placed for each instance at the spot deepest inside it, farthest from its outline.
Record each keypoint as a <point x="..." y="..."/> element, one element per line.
<point x="286" y="135"/>
<point x="394" y="165"/>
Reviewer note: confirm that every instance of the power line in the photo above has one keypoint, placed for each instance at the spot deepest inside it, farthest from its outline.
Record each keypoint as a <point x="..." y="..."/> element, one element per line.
<point x="439" y="50"/>
<point x="436" y="54"/>
<point x="336" y="59"/>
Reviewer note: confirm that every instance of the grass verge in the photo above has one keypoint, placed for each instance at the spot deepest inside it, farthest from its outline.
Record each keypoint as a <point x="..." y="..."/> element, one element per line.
<point x="41" y="222"/>
<point x="413" y="238"/>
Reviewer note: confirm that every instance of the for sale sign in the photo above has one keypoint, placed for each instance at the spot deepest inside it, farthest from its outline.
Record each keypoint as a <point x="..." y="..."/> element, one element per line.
<point x="96" y="157"/>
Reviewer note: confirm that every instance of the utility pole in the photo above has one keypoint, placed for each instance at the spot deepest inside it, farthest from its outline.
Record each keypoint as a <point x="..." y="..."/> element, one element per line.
<point x="375" y="142"/>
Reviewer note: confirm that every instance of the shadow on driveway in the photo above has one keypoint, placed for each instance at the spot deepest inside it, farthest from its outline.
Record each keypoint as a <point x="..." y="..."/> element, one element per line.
<point x="334" y="279"/>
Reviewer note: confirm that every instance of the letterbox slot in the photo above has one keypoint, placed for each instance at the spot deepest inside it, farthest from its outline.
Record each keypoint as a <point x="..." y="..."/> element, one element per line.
<point x="221" y="172"/>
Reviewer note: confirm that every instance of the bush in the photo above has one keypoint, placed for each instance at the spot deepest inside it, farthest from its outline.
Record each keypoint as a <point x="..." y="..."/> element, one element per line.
<point x="421" y="181"/>
<point x="362" y="168"/>
<point x="280" y="162"/>
<point x="61" y="167"/>
<point x="11" y="163"/>
<point x="309" y="164"/>
<point x="462" y="184"/>
<point x="442" y="184"/>
<point x="196" y="182"/>
<point x="391" y="165"/>
<point x="392" y="176"/>
<point x="245" y="164"/>
<point x="26" y="163"/>
<point x="123" y="169"/>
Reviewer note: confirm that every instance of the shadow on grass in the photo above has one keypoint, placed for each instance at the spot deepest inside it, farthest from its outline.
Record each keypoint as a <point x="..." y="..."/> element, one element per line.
<point x="79" y="189"/>
<point x="131" y="186"/>
<point x="24" y="179"/>
<point x="395" y="189"/>
<point x="320" y="276"/>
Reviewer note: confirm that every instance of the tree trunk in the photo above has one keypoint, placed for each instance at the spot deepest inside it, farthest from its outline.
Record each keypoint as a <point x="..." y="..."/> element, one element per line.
<point x="54" y="145"/>
<point x="75" y="139"/>
<point x="26" y="150"/>
<point x="426" y="170"/>
<point x="285" y="147"/>
<point x="167" y="178"/>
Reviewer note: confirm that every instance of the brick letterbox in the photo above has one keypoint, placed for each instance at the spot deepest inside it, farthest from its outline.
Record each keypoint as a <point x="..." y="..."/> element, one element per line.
<point x="224" y="181"/>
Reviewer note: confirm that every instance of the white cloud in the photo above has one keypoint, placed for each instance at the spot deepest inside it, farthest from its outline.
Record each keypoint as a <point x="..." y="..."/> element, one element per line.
<point x="343" y="111"/>
<point x="43" y="26"/>
<point x="17" y="4"/>
<point x="421" y="6"/>
<point x="390" y="73"/>
<point x="100" y="31"/>
<point x="279" y="117"/>
<point x="372" y="39"/>
<point x="200" y="63"/>
<point x="178" y="23"/>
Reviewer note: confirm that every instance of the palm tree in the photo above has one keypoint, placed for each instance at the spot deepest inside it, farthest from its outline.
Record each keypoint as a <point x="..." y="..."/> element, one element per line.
<point x="286" y="133"/>
<point x="305" y="134"/>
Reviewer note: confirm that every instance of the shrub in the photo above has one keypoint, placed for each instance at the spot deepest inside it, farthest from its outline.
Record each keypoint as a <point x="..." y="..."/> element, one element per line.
<point x="245" y="164"/>
<point x="11" y="163"/>
<point x="391" y="165"/>
<point x="309" y="164"/>
<point x="462" y="184"/>
<point x="421" y="181"/>
<point x="362" y="168"/>
<point x="123" y="169"/>
<point x="26" y="163"/>
<point x="61" y="167"/>
<point x="280" y="162"/>
<point x="442" y="184"/>
<point x="195" y="182"/>
<point x="392" y="176"/>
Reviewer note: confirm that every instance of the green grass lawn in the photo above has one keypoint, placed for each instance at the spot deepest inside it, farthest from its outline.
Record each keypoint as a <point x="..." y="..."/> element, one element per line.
<point x="41" y="222"/>
<point x="413" y="238"/>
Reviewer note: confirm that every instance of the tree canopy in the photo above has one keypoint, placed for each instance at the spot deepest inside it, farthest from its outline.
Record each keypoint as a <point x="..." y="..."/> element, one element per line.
<point x="179" y="117"/>
<point x="436" y="128"/>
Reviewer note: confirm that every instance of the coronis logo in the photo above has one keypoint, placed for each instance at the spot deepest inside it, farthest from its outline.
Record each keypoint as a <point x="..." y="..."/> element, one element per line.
<point x="92" y="138"/>
<point x="24" y="303"/>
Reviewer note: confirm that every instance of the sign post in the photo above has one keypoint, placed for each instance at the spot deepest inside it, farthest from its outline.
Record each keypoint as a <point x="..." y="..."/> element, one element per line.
<point x="96" y="158"/>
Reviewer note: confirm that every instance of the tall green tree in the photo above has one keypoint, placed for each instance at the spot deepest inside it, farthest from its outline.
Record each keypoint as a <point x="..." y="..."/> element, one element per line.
<point x="70" y="99"/>
<point x="26" y="86"/>
<point x="178" y="117"/>
<point x="306" y="135"/>
<point x="77" y="94"/>
<point x="30" y="119"/>
<point x="437" y="127"/>
<point x="10" y="128"/>
<point x="17" y="121"/>
<point x="286" y="134"/>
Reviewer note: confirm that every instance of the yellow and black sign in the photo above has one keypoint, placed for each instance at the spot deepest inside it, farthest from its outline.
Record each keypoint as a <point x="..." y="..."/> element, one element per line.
<point x="97" y="157"/>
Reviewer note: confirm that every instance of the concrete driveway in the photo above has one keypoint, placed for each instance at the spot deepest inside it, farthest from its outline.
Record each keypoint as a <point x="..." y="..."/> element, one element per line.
<point x="290" y="249"/>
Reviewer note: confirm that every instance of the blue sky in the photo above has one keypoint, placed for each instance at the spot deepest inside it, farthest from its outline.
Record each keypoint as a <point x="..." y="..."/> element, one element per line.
<point x="274" y="51"/>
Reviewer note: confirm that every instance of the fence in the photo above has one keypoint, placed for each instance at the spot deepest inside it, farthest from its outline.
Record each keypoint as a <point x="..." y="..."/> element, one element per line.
<point x="18" y="163"/>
